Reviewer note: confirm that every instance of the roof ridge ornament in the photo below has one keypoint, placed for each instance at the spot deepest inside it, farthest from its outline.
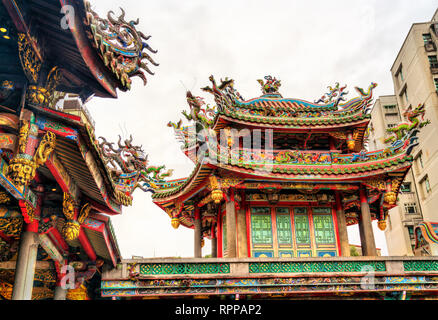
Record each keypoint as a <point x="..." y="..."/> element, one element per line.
<point x="271" y="85"/>
<point x="335" y="94"/>
<point x="404" y="135"/>
<point x="120" y="45"/>
<point x="129" y="169"/>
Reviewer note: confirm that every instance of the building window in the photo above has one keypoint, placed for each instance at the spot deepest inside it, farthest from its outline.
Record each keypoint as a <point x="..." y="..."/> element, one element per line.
<point x="405" y="93"/>
<point x="436" y="83"/>
<point x="284" y="226"/>
<point x="433" y="61"/>
<point x="425" y="184"/>
<point x="390" y="107"/>
<point x="410" y="208"/>
<point x="324" y="230"/>
<point x="302" y="227"/>
<point x="399" y="74"/>
<point x="405" y="187"/>
<point x="427" y="38"/>
<point x="261" y="226"/>
<point x="391" y="125"/>
<point x="411" y="232"/>
<point x="420" y="160"/>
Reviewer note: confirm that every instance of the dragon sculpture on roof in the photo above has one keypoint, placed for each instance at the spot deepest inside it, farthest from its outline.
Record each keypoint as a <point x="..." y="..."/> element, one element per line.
<point x="121" y="45"/>
<point x="271" y="85"/>
<point x="336" y="94"/>
<point x="404" y="135"/>
<point x="128" y="166"/>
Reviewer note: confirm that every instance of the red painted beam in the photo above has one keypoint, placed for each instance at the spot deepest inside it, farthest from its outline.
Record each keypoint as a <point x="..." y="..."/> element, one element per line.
<point x="58" y="240"/>
<point x="110" y="248"/>
<point x="87" y="52"/>
<point x="86" y="245"/>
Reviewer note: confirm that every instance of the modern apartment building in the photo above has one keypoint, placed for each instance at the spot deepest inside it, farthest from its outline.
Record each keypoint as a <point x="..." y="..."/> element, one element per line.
<point x="402" y="219"/>
<point x="415" y="78"/>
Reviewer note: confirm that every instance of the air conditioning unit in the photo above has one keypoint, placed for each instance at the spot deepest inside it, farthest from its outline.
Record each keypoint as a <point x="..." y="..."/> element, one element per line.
<point x="430" y="46"/>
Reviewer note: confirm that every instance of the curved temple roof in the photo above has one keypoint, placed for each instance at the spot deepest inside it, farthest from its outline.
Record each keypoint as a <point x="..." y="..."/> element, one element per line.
<point x="273" y="109"/>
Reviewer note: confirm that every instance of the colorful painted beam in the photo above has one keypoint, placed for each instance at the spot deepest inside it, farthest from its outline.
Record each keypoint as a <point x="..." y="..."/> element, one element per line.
<point x="61" y="176"/>
<point x="331" y="276"/>
<point x="101" y="224"/>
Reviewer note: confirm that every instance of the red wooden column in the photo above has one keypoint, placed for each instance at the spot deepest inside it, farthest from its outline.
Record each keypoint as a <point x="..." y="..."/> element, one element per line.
<point x="342" y="226"/>
<point x="213" y="241"/>
<point x="368" y="243"/>
<point x="27" y="257"/>
<point x="197" y="234"/>
<point x="230" y="211"/>
<point x="220" y="236"/>
<point x="242" y="239"/>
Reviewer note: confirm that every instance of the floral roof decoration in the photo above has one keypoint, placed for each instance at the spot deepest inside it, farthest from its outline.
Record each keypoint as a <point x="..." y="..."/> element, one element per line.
<point x="122" y="47"/>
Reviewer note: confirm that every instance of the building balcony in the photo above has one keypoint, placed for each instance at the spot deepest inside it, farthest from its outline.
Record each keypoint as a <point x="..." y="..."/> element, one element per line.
<point x="405" y="197"/>
<point x="257" y="277"/>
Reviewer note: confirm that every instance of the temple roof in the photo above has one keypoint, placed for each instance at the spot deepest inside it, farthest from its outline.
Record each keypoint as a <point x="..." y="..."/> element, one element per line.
<point x="220" y="165"/>
<point x="94" y="55"/>
<point x="343" y="168"/>
<point x="272" y="109"/>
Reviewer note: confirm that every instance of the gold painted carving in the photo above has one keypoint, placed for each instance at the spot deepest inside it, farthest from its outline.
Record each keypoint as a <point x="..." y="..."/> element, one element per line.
<point x="45" y="96"/>
<point x="11" y="227"/>
<point x="22" y="137"/>
<point x="68" y="207"/>
<point x="6" y="290"/>
<point x="381" y="224"/>
<point x="390" y="197"/>
<point x="28" y="57"/>
<point x="45" y="148"/>
<point x="21" y="171"/>
<point x="175" y="222"/>
<point x="229" y="182"/>
<point x="338" y="135"/>
<point x="30" y="212"/>
<point x="4" y="198"/>
<point x="84" y="213"/>
<point x="123" y="198"/>
<point x="80" y="293"/>
<point x="216" y="193"/>
<point x="71" y="229"/>
<point x="377" y="184"/>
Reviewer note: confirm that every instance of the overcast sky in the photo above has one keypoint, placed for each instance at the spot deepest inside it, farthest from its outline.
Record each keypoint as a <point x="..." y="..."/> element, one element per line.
<point x="308" y="45"/>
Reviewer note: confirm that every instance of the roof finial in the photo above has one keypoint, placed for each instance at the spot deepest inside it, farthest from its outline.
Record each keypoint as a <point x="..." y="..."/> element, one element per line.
<point x="270" y="86"/>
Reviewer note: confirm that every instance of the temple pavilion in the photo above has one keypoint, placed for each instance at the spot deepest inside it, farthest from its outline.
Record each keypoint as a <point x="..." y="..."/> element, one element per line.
<point x="276" y="182"/>
<point x="287" y="177"/>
